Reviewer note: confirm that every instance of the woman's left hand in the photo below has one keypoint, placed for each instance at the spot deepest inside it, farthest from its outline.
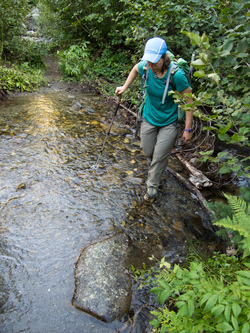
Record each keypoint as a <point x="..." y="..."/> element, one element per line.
<point x="187" y="136"/>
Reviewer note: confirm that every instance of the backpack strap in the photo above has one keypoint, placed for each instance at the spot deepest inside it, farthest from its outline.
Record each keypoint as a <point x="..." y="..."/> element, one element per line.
<point x="145" y="78"/>
<point x="172" y="70"/>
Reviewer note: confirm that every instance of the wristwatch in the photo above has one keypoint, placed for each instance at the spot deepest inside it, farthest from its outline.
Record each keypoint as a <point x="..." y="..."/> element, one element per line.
<point x="188" y="130"/>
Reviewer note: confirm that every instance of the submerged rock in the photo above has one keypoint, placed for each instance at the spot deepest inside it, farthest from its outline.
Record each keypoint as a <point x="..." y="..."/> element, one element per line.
<point x="102" y="286"/>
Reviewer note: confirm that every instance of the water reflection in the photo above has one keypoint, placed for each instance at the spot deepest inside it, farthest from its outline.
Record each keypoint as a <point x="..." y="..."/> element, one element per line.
<point x="53" y="203"/>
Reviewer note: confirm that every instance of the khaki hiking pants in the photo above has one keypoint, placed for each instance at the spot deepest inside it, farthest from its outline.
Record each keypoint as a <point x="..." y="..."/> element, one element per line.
<point x="157" y="144"/>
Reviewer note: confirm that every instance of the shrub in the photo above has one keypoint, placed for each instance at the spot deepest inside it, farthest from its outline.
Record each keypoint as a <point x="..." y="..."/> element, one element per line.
<point x="210" y="295"/>
<point x="21" y="78"/>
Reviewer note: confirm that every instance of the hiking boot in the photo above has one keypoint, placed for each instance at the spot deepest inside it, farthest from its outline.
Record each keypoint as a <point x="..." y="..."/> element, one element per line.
<point x="151" y="193"/>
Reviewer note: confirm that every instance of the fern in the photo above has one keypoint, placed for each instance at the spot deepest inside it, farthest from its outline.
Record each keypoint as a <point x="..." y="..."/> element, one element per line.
<point x="239" y="223"/>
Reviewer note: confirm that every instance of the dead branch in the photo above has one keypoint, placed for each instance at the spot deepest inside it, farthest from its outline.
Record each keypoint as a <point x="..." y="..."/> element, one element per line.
<point x="191" y="188"/>
<point x="130" y="111"/>
<point x="197" y="178"/>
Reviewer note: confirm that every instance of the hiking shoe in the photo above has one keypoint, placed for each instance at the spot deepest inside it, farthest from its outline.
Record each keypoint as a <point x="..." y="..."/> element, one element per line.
<point x="151" y="193"/>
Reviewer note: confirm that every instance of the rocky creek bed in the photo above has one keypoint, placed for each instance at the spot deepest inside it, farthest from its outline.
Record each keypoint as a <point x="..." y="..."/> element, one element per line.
<point x="69" y="234"/>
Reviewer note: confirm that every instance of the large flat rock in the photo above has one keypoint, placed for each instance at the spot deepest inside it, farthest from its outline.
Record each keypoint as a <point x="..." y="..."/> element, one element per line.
<point x="102" y="286"/>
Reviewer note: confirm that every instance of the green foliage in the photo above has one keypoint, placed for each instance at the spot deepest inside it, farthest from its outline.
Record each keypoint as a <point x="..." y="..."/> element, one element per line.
<point x="207" y="295"/>
<point x="12" y="17"/>
<point x="239" y="223"/>
<point x="26" y="51"/>
<point x="85" y="20"/>
<point x="221" y="209"/>
<point x="224" y="73"/>
<point x="74" y="61"/>
<point x="210" y="297"/>
<point x="21" y="78"/>
<point x="110" y="65"/>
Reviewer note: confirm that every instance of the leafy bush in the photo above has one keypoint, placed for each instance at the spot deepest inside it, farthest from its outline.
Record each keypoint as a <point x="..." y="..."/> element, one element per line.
<point x="224" y="93"/>
<point x="210" y="295"/>
<point x="74" y="61"/>
<point x="239" y="224"/>
<point x="13" y="16"/>
<point x="20" y="51"/>
<point x="110" y="65"/>
<point x="21" y="78"/>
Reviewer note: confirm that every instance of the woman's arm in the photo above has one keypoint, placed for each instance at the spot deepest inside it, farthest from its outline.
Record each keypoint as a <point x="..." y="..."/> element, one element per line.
<point x="132" y="75"/>
<point x="189" y="115"/>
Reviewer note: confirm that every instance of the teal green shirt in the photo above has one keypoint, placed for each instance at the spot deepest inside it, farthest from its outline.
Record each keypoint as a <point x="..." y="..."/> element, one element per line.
<point x="154" y="111"/>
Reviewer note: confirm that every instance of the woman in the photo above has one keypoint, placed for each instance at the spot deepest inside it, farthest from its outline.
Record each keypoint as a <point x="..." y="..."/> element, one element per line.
<point x="159" y="125"/>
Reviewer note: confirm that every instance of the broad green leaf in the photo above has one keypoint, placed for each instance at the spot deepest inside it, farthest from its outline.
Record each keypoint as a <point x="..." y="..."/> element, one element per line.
<point x="225" y="128"/>
<point x="208" y="152"/>
<point x="199" y="63"/>
<point x="179" y="273"/>
<point x="243" y="280"/>
<point x="211" y="302"/>
<point x="164" y="328"/>
<point x="228" y="46"/>
<point x="223" y="136"/>
<point x="164" y="296"/>
<point x="235" y="323"/>
<point x="155" y="323"/>
<point x="236" y="309"/>
<point x="156" y="290"/>
<point x="236" y="167"/>
<point x="214" y="77"/>
<point x="242" y="46"/>
<point x="200" y="74"/>
<point x="191" y="307"/>
<point x="204" y="38"/>
<point x="225" y="53"/>
<point x="195" y="39"/>
<point x="242" y="55"/>
<point x="227" y="312"/>
<point x="224" y="327"/>
<point x="183" y="311"/>
<point x="205" y="298"/>
<point x="246" y="328"/>
<point x="222" y="154"/>
<point x="218" y="309"/>
<point x="224" y="169"/>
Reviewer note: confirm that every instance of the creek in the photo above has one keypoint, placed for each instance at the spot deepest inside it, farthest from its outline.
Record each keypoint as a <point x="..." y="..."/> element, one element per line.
<point x="54" y="203"/>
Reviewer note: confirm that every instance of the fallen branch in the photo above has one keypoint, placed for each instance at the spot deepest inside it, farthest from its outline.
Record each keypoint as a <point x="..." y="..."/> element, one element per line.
<point x="191" y="188"/>
<point x="197" y="178"/>
<point x="130" y="111"/>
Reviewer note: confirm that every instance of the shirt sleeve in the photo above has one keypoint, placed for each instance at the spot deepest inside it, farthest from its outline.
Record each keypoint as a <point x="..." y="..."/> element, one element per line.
<point x="141" y="64"/>
<point x="180" y="80"/>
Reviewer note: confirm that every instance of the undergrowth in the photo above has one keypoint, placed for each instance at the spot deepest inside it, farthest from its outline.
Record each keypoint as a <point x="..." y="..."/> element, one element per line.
<point x="21" y="78"/>
<point x="211" y="295"/>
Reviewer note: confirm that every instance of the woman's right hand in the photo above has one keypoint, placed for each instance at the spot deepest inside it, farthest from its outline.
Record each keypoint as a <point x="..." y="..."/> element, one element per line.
<point x="120" y="90"/>
<point x="132" y="75"/>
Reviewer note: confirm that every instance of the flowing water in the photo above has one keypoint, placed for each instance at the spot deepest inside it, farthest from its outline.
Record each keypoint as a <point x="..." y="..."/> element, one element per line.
<point x="54" y="202"/>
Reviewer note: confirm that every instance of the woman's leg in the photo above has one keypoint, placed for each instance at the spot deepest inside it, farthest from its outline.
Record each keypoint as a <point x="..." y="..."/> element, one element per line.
<point x="148" y="138"/>
<point x="163" y="146"/>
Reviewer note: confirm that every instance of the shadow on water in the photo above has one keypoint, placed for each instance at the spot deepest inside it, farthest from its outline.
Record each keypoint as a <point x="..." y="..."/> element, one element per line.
<point x="54" y="202"/>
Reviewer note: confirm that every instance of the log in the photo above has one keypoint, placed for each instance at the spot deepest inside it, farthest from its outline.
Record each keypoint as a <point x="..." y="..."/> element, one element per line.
<point x="197" y="178"/>
<point x="191" y="188"/>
